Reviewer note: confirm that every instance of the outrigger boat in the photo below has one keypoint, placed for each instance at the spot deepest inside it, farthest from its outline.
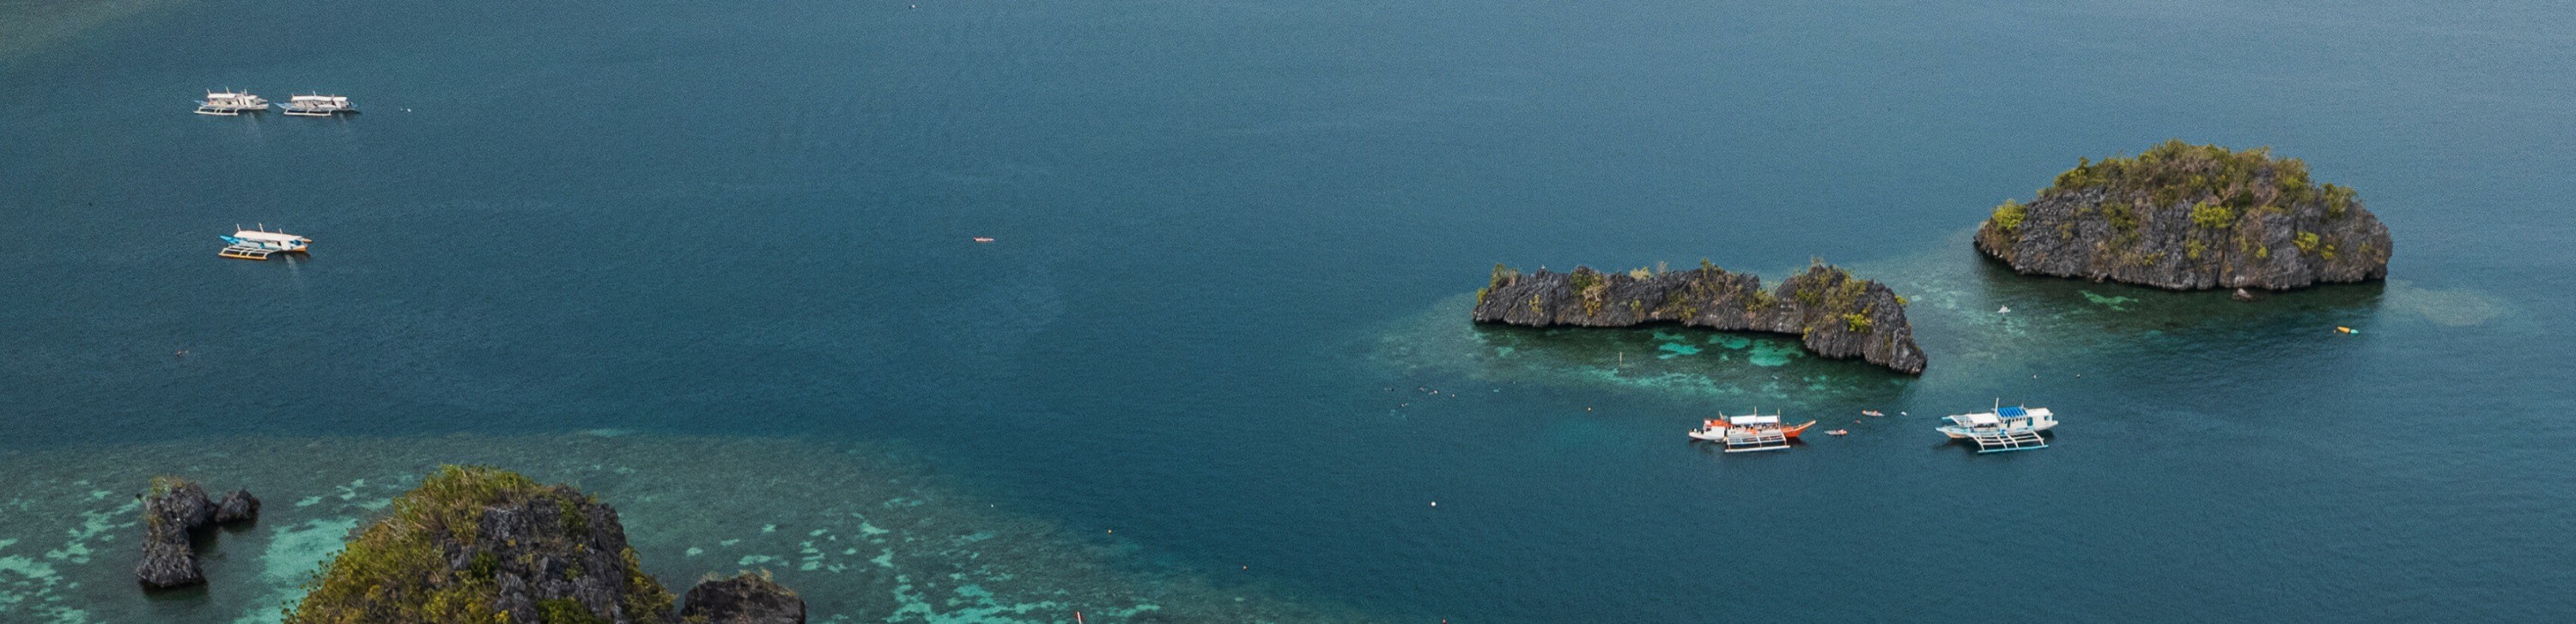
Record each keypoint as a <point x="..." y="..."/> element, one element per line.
<point x="229" y="102"/>
<point x="2007" y="428"/>
<point x="318" y="105"/>
<point x="1749" y="433"/>
<point x="259" y="244"/>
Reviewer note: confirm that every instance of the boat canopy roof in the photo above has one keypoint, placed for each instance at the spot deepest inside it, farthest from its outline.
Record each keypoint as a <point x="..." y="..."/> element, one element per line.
<point x="1753" y="420"/>
<point x="266" y="236"/>
<point x="2010" y="411"/>
<point x="1978" y="419"/>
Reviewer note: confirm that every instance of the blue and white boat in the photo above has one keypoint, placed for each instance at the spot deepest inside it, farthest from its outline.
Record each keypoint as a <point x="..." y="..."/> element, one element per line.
<point x="260" y="243"/>
<point x="2007" y="428"/>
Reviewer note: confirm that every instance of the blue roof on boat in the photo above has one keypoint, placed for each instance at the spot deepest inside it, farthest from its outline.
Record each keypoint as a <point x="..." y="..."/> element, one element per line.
<point x="2011" y="411"/>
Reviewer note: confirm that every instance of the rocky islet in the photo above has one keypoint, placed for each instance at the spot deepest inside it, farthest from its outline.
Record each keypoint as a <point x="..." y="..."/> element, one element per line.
<point x="2191" y="217"/>
<point x="1833" y="313"/>
<point x="480" y="544"/>
<point x="172" y="513"/>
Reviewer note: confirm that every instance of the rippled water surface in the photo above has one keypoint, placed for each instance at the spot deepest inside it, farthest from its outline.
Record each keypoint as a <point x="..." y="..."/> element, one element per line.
<point x="712" y="260"/>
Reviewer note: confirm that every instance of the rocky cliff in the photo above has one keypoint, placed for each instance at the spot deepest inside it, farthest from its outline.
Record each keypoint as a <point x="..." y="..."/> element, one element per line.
<point x="172" y="513"/>
<point x="2189" y="217"/>
<point x="477" y="544"/>
<point x="1834" y="314"/>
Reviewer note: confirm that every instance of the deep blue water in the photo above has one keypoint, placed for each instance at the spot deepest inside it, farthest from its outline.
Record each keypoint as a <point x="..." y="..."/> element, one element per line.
<point x="1232" y="238"/>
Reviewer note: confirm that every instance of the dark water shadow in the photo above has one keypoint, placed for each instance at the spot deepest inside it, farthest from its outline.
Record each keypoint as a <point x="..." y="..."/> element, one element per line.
<point x="2124" y="321"/>
<point x="2112" y="305"/>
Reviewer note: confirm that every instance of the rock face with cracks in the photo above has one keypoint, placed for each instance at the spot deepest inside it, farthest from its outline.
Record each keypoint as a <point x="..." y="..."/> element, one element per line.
<point x="237" y="506"/>
<point x="481" y="545"/>
<point x="745" y="599"/>
<point x="2191" y="217"/>
<point x="172" y="513"/>
<point x="476" y="545"/>
<point x="1834" y="314"/>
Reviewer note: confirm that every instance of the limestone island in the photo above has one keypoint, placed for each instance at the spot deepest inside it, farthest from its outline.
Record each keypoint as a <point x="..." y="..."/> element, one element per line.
<point x="1834" y="314"/>
<point x="2191" y="217"/>
<point x="480" y="545"/>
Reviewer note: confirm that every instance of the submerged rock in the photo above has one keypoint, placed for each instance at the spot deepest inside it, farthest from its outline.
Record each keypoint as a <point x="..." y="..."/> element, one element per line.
<point x="2188" y="217"/>
<point x="237" y="506"/>
<point x="173" y="509"/>
<point x="745" y="599"/>
<point x="1834" y="314"/>
<point x="480" y="544"/>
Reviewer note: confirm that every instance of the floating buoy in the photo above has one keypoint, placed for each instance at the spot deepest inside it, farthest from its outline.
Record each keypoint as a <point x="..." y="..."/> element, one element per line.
<point x="2004" y="310"/>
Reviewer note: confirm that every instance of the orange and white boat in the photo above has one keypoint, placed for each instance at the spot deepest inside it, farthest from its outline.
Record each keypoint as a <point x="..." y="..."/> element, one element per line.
<point x="1749" y="433"/>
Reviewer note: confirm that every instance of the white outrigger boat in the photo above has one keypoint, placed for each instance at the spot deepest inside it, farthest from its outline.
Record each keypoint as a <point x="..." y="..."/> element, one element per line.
<point x="318" y="105"/>
<point x="1749" y="433"/>
<point x="259" y="244"/>
<point x="229" y="102"/>
<point x="2007" y="428"/>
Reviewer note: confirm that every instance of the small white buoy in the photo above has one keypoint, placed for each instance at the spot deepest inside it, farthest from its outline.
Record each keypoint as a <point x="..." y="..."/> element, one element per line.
<point x="2004" y="310"/>
<point x="1435" y="503"/>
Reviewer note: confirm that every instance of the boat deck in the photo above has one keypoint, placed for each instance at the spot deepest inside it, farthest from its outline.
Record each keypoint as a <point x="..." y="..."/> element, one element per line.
<point x="1765" y="440"/>
<point x="247" y="252"/>
<point x="2011" y="440"/>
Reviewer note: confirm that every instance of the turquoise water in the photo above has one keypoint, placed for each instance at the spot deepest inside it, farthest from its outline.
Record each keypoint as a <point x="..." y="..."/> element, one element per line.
<point x="1218" y="350"/>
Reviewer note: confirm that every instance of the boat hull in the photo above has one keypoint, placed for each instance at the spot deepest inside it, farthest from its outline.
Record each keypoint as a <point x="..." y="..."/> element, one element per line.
<point x="1719" y="434"/>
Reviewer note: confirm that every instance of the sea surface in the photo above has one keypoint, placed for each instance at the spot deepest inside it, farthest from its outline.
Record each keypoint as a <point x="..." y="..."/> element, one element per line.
<point x="711" y="260"/>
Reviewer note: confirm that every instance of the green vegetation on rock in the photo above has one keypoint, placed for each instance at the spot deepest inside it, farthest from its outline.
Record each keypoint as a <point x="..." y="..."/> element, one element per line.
<point x="2175" y="172"/>
<point x="2212" y="215"/>
<point x="2008" y="217"/>
<point x="398" y="569"/>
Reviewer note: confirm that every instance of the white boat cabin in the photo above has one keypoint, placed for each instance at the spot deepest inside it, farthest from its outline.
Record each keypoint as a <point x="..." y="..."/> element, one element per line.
<point x="2012" y="428"/>
<point x="318" y="105"/>
<point x="260" y="244"/>
<point x="230" y="103"/>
